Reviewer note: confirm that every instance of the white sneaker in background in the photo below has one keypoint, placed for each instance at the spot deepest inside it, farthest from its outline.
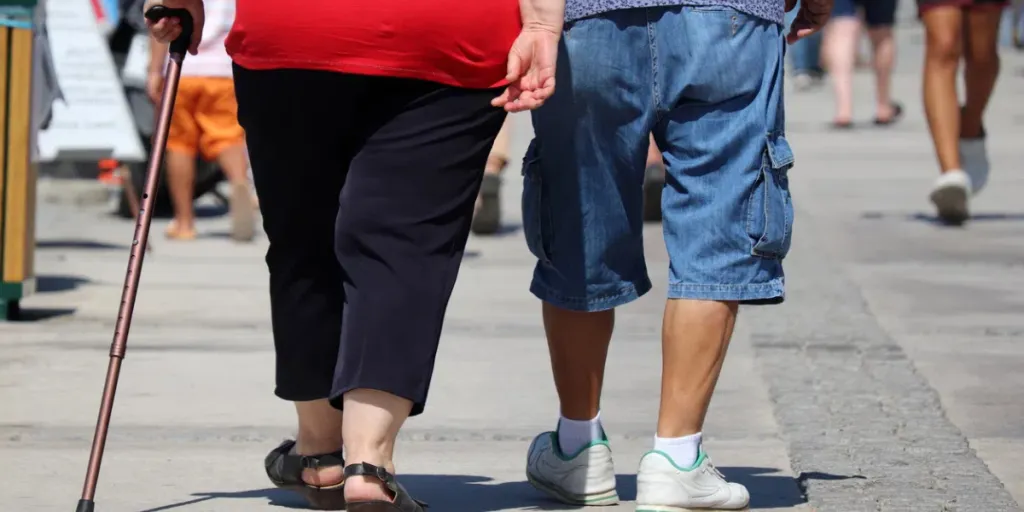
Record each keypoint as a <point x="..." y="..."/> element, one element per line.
<point x="662" y="486"/>
<point x="950" y="194"/>
<point x="974" y="159"/>
<point x="584" y="478"/>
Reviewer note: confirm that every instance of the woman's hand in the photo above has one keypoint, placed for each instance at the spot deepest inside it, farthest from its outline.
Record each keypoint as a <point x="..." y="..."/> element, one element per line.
<point x="168" y="29"/>
<point x="531" y="62"/>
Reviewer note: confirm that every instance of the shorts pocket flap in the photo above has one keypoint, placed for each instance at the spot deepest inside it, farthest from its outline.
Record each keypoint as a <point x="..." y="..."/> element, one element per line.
<point x="779" y="152"/>
<point x="536" y="217"/>
<point x="770" y="208"/>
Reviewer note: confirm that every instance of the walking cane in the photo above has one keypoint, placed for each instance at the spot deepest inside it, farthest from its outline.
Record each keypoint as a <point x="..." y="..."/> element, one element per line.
<point x="133" y="196"/>
<point x="178" y="49"/>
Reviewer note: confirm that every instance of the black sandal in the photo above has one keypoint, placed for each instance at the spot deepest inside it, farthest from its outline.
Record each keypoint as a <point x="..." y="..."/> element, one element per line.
<point x="897" y="113"/>
<point x="284" y="469"/>
<point x="400" y="499"/>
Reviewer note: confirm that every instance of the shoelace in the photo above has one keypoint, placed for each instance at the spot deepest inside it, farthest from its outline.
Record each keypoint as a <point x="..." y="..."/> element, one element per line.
<point x="715" y="469"/>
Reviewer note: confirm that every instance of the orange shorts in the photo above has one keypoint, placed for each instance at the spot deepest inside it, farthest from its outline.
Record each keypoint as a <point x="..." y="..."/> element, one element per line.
<point x="205" y="118"/>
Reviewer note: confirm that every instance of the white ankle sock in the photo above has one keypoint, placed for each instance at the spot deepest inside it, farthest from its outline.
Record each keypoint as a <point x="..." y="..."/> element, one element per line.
<point x="682" y="450"/>
<point x="575" y="434"/>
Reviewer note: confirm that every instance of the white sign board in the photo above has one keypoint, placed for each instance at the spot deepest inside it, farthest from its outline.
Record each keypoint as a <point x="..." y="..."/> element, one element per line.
<point x="93" y="120"/>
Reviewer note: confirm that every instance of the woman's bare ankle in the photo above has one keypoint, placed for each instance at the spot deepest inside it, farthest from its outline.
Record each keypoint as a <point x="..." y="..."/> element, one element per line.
<point x="363" y="488"/>
<point x="326" y="476"/>
<point x="329" y="476"/>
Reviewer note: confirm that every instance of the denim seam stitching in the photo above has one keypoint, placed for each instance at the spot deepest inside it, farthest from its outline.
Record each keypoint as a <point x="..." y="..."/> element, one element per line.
<point x="652" y="45"/>
<point x="626" y="290"/>
<point x="703" y="286"/>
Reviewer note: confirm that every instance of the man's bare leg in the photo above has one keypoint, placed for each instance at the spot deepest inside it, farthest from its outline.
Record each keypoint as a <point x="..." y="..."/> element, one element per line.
<point x="234" y="161"/>
<point x="574" y="464"/>
<point x="181" y="177"/>
<point x="578" y="345"/>
<point x="695" y="337"/>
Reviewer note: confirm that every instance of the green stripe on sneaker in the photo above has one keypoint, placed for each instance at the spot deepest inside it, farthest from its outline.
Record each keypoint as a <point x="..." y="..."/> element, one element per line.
<point x="700" y="458"/>
<point x="558" y="449"/>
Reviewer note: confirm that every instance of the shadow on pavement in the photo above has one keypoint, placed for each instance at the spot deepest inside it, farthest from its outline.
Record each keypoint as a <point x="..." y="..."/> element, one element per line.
<point x="78" y="244"/>
<point x="209" y="211"/>
<point x="54" y="283"/>
<point x="467" y="493"/>
<point x="45" y="284"/>
<point x="40" y="314"/>
<point x="768" y="487"/>
<point x="934" y="219"/>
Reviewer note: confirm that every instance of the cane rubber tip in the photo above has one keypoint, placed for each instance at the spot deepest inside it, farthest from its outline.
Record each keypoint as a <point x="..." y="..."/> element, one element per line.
<point x="85" y="506"/>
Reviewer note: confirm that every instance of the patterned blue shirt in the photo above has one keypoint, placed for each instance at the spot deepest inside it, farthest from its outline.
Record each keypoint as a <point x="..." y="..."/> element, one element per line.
<point x="771" y="10"/>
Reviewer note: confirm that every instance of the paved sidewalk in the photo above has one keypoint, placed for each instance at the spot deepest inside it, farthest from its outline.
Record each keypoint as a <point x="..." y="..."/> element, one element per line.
<point x="890" y="380"/>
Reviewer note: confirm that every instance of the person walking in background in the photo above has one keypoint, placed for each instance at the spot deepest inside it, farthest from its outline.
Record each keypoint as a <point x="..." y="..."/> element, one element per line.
<point x="204" y="124"/>
<point x="842" y="39"/>
<point x="805" y="57"/>
<point x="705" y="77"/>
<point x="958" y="30"/>
<point x="368" y="146"/>
<point x="487" y="212"/>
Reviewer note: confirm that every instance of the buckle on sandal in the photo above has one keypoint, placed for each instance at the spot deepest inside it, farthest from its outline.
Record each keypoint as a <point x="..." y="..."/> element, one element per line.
<point x="385" y="477"/>
<point x="309" y="462"/>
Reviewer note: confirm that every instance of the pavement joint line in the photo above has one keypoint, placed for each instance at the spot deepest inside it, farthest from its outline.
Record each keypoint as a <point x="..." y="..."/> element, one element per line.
<point x="35" y="436"/>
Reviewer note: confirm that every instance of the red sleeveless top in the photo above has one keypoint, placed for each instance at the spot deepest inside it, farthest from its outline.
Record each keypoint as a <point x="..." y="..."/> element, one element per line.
<point x="463" y="43"/>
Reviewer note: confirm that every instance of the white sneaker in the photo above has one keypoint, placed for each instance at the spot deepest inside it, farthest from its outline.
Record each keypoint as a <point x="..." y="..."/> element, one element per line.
<point x="950" y="194"/>
<point x="662" y="486"/>
<point x="585" y="478"/>
<point x="974" y="158"/>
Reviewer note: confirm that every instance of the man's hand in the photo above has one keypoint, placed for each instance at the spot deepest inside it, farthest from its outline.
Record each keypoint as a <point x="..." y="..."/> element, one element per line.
<point x="813" y="15"/>
<point x="531" y="69"/>
<point x="168" y="29"/>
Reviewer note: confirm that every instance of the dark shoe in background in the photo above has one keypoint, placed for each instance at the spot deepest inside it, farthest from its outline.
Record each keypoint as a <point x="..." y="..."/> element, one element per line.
<point x="487" y="219"/>
<point x="654" y="182"/>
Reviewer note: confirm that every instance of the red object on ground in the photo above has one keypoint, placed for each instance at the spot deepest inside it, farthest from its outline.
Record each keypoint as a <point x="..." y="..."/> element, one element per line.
<point x="454" y="42"/>
<point x="108" y="172"/>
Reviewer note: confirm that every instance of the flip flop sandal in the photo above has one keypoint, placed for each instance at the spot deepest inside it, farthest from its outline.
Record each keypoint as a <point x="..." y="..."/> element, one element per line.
<point x="400" y="499"/>
<point x="175" y="232"/>
<point x="284" y="469"/>
<point x="897" y="113"/>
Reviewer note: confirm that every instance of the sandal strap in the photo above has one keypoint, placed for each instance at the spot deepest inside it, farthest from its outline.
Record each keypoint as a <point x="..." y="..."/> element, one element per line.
<point x="284" y="466"/>
<point x="322" y="461"/>
<point x="398" y="494"/>
<point x="367" y="469"/>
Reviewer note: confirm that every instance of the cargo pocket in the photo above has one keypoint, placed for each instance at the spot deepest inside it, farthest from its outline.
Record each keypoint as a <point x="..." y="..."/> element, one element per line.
<point x="536" y="215"/>
<point x="770" y="208"/>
